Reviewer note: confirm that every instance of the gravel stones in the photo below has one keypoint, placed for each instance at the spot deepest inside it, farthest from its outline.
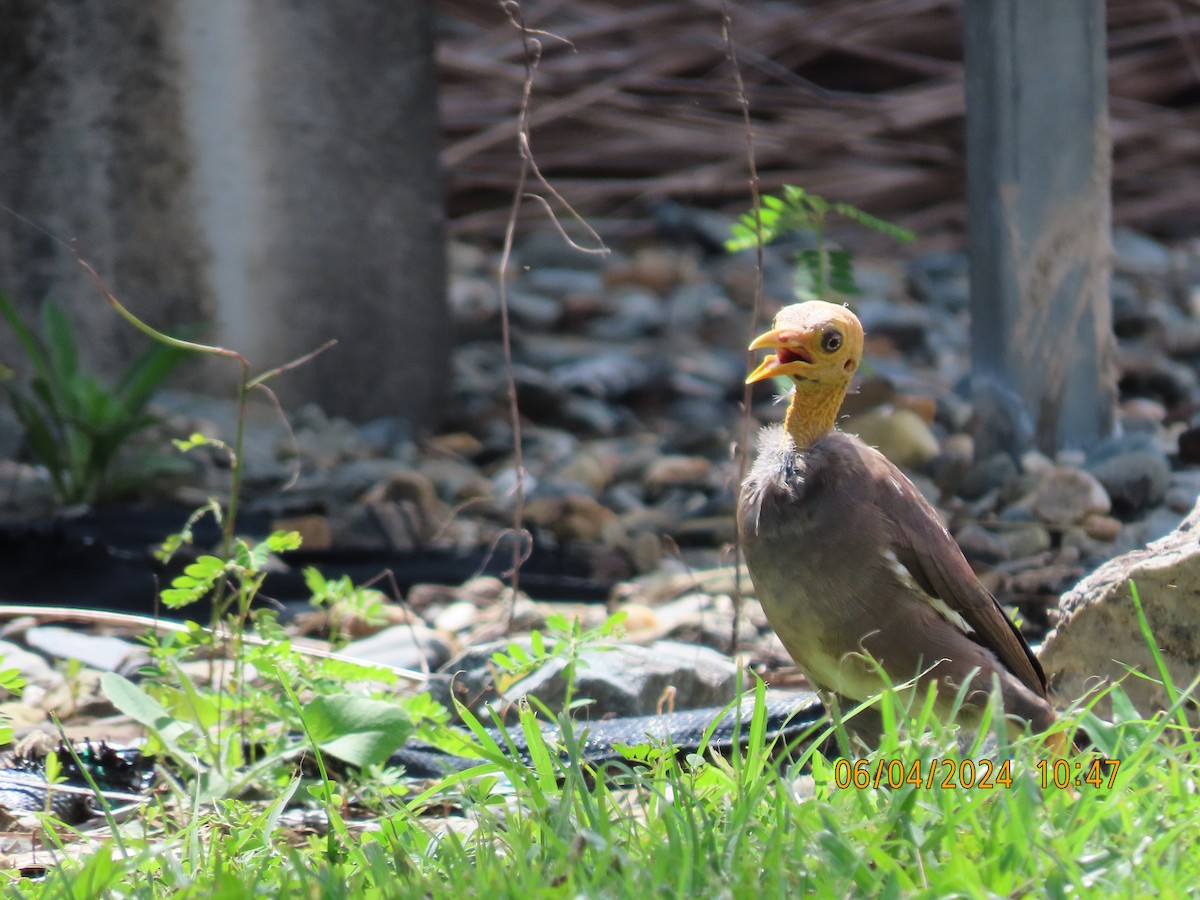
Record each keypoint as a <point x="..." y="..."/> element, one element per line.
<point x="980" y="545"/>
<point x="989" y="474"/>
<point x="1134" y="472"/>
<point x="1138" y="254"/>
<point x="940" y="279"/>
<point x="629" y="371"/>
<point x="38" y="673"/>
<point x="1102" y="528"/>
<point x="628" y="680"/>
<point x="1189" y="446"/>
<point x="999" y="421"/>
<point x="677" y="472"/>
<point x="1066" y="496"/>
<point x="623" y="679"/>
<point x="1024" y="541"/>
<point x="899" y="434"/>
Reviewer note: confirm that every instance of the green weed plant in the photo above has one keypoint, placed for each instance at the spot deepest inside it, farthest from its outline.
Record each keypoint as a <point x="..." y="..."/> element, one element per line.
<point x="823" y="272"/>
<point x="76" y="426"/>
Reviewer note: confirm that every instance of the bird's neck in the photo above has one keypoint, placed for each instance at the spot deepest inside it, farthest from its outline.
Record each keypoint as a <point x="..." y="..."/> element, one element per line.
<point x="812" y="412"/>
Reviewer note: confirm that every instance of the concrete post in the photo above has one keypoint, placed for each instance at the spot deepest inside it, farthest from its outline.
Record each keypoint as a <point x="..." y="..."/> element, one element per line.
<point x="267" y="165"/>
<point x="1038" y="190"/>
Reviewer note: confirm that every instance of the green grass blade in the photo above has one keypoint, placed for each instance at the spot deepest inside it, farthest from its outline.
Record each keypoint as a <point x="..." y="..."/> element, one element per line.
<point x="1152" y="645"/>
<point x="35" y="350"/>
<point x="60" y="343"/>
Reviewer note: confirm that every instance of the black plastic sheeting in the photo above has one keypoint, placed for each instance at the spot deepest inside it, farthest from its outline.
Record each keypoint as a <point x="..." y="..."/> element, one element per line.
<point x="103" y="559"/>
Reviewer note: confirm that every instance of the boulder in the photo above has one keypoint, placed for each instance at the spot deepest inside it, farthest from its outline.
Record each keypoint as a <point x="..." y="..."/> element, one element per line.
<point x="628" y="680"/>
<point x="1098" y="636"/>
<point x="412" y="645"/>
<point x="622" y="679"/>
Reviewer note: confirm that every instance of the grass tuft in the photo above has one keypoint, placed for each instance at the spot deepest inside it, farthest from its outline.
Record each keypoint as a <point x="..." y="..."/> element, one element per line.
<point x="918" y="824"/>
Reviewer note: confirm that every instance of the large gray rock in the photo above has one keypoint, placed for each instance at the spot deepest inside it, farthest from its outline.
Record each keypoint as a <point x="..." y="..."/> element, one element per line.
<point x="99" y="651"/>
<point x="1134" y="472"/>
<point x="1066" y="496"/>
<point x="628" y="680"/>
<point x="1099" y="636"/>
<point x="412" y="645"/>
<point x="622" y="679"/>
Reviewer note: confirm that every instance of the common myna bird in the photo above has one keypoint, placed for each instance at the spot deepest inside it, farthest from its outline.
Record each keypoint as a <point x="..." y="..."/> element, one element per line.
<point x="851" y="564"/>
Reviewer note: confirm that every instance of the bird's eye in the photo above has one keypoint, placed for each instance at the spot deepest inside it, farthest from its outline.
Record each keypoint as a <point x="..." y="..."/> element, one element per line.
<point x="831" y="341"/>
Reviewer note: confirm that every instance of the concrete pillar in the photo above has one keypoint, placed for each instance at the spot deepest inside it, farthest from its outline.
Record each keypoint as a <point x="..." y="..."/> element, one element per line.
<point x="266" y="165"/>
<point x="1039" y="160"/>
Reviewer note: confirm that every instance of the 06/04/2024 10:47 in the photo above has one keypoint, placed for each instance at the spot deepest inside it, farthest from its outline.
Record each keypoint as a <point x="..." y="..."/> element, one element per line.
<point x="984" y="774"/>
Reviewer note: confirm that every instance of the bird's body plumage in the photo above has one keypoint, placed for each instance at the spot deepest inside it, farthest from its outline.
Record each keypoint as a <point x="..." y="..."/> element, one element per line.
<point x="853" y="567"/>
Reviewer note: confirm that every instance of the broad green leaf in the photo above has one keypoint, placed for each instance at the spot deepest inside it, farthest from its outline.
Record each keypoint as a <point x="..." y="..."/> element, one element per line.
<point x="537" y="747"/>
<point x="140" y="706"/>
<point x="275" y="810"/>
<point x="818" y="205"/>
<point x="54" y="404"/>
<point x="614" y="622"/>
<point x="357" y="730"/>
<point x="518" y="653"/>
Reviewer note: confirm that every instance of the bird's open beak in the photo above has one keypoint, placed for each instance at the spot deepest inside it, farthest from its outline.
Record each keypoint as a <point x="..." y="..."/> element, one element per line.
<point x="790" y="357"/>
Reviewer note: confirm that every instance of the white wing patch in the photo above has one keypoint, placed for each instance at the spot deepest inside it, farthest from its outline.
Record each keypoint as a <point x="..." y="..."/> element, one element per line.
<point x="943" y="610"/>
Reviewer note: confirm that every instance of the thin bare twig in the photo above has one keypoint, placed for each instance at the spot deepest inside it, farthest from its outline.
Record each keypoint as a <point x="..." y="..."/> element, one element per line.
<point x="531" y="56"/>
<point x="292" y="364"/>
<point x="743" y="449"/>
<point x="527" y="155"/>
<point x="533" y="50"/>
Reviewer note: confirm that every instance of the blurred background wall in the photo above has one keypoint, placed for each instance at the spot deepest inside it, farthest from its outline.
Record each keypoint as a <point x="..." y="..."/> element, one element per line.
<point x="265" y="166"/>
<point x="271" y="166"/>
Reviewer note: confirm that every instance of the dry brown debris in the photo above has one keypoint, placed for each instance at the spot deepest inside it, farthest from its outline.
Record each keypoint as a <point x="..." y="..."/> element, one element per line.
<point x="862" y="101"/>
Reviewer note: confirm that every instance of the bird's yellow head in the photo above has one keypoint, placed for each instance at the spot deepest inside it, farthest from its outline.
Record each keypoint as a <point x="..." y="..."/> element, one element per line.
<point x="813" y="342"/>
<point x="817" y="345"/>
